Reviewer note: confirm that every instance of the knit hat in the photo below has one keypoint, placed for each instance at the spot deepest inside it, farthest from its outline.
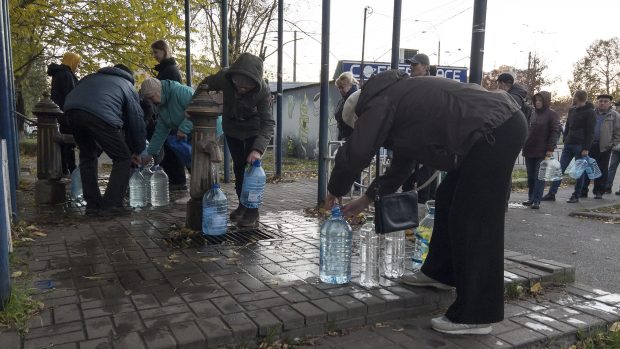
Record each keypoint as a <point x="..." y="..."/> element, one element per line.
<point x="71" y="60"/>
<point x="506" y="78"/>
<point x="604" y="95"/>
<point x="150" y="87"/>
<point x="348" y="111"/>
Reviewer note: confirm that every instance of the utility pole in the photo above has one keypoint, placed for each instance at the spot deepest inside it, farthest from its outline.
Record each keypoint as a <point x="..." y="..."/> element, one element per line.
<point x="477" y="41"/>
<point x="278" y="144"/>
<point x="363" y="46"/>
<point x="439" y="52"/>
<point x="324" y="103"/>
<point x="295" y="56"/>
<point x="188" y="44"/>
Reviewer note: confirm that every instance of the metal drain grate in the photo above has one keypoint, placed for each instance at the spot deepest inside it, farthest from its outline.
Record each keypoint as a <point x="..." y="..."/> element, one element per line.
<point x="233" y="237"/>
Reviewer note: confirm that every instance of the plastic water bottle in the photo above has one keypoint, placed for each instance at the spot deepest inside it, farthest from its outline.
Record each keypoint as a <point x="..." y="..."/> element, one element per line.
<point x="335" y="252"/>
<point x="137" y="197"/>
<point x="423" y="234"/>
<point x="214" y="211"/>
<point x="159" y="188"/>
<point x="393" y="254"/>
<point x="369" y="255"/>
<point x="147" y="174"/>
<point x="253" y="186"/>
<point x="550" y="170"/>
<point x="77" y="195"/>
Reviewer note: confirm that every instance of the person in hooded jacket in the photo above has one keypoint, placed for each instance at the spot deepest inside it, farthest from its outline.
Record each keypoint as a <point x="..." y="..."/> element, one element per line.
<point x="171" y="99"/>
<point x="543" y="134"/>
<point x="101" y="109"/>
<point x="63" y="81"/>
<point x="476" y="136"/>
<point x="168" y="69"/>
<point x="246" y="119"/>
<point x="578" y="137"/>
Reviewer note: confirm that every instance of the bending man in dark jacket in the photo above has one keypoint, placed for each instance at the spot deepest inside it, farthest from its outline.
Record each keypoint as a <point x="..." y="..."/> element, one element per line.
<point x="544" y="132"/>
<point x="578" y="137"/>
<point x="247" y="120"/>
<point x="473" y="134"/>
<point x="63" y="81"/>
<point x="100" y="109"/>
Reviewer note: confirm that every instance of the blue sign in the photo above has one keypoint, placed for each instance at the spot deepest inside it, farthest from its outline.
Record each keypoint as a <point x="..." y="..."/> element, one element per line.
<point x="370" y="68"/>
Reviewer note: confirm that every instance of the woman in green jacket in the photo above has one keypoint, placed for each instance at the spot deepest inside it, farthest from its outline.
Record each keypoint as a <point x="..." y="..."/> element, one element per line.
<point x="171" y="99"/>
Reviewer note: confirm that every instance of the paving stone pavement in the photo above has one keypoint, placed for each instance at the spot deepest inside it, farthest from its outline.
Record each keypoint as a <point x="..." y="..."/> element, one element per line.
<point x="123" y="283"/>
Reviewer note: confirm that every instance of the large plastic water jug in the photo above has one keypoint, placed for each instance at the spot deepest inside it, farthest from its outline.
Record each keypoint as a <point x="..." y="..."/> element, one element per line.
<point x="253" y="187"/>
<point x="159" y="188"/>
<point x="214" y="211"/>
<point x="147" y="174"/>
<point x="550" y="170"/>
<point x="335" y="253"/>
<point x="393" y="258"/>
<point x="423" y="234"/>
<point x="137" y="196"/>
<point x="369" y="254"/>
<point x="592" y="170"/>
<point x="577" y="167"/>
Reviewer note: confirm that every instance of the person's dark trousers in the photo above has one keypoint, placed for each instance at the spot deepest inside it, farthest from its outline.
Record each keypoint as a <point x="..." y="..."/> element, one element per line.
<point x="613" y="167"/>
<point x="67" y="155"/>
<point x="239" y="151"/>
<point x="535" y="186"/>
<point x="92" y="134"/>
<point x="467" y="247"/>
<point x="569" y="152"/>
<point x="602" y="159"/>
<point x="173" y="166"/>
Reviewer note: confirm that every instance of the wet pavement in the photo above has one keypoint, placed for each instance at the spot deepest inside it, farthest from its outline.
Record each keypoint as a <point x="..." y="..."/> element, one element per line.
<point x="142" y="282"/>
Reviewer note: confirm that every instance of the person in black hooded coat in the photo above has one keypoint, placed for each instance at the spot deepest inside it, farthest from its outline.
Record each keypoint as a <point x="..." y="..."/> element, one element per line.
<point x="63" y="81"/>
<point x="167" y="69"/>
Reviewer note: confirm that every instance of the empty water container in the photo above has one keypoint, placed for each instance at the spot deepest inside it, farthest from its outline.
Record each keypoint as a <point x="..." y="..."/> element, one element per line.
<point x="393" y="259"/>
<point x="214" y="211"/>
<point x="147" y="174"/>
<point x="578" y="168"/>
<point x="550" y="170"/>
<point x="423" y="234"/>
<point x="592" y="170"/>
<point x="369" y="254"/>
<point x="253" y="186"/>
<point x="137" y="195"/>
<point x="159" y="187"/>
<point x="76" y="193"/>
<point x="335" y="252"/>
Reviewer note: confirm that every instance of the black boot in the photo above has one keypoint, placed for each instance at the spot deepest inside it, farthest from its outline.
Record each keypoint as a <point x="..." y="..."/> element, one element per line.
<point x="237" y="213"/>
<point x="249" y="219"/>
<point x="573" y="199"/>
<point x="548" y="197"/>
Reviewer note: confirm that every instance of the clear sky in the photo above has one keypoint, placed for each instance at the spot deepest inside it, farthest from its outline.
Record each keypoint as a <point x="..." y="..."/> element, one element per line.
<point x="558" y="31"/>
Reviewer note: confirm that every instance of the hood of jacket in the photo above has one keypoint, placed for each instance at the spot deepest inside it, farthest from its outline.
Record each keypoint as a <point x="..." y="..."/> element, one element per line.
<point x="380" y="82"/>
<point x="54" y="68"/>
<point x="248" y="65"/>
<point x="118" y="72"/>
<point x="517" y="89"/>
<point x="546" y="97"/>
<point x="165" y="63"/>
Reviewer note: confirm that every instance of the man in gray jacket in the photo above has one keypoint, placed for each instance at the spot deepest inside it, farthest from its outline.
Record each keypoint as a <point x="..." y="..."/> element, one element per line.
<point x="101" y="109"/>
<point x="606" y="135"/>
<point x="615" y="157"/>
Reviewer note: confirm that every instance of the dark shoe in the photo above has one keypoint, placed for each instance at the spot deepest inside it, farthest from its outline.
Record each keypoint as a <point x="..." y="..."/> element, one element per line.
<point x="237" y="213"/>
<point x="444" y="325"/>
<point x="573" y="199"/>
<point x="548" y="197"/>
<point x="583" y="194"/>
<point x="249" y="219"/>
<point x="598" y="196"/>
<point x="526" y="203"/>
<point x="618" y="192"/>
<point x="535" y="206"/>
<point x="608" y="191"/>
<point x="177" y="187"/>
<point x="91" y="212"/>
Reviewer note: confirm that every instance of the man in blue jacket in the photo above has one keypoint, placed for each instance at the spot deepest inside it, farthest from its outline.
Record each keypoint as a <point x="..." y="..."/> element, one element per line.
<point x="101" y="109"/>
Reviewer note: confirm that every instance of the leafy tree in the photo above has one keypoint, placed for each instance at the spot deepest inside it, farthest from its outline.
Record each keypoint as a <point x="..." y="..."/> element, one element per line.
<point x="599" y="70"/>
<point x="533" y="78"/>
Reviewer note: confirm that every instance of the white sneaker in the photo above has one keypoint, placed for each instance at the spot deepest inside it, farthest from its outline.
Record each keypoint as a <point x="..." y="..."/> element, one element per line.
<point x="420" y="279"/>
<point x="444" y="325"/>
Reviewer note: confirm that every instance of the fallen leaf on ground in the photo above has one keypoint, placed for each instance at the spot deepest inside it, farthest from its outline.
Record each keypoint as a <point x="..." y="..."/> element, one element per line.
<point x="398" y="329"/>
<point x="39" y="233"/>
<point x="536" y="288"/>
<point x="615" y="327"/>
<point x="17" y="274"/>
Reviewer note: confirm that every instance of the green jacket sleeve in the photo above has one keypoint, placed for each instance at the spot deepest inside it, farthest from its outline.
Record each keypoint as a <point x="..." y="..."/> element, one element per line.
<point x="267" y="125"/>
<point x="158" y="138"/>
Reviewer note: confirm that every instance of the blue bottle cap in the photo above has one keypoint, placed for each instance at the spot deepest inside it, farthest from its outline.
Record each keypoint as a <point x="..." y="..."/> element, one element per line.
<point x="336" y="211"/>
<point x="215" y="186"/>
<point x="256" y="163"/>
<point x="431" y="210"/>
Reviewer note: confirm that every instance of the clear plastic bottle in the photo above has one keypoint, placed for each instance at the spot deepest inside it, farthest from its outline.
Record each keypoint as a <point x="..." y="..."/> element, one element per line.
<point x="76" y="193"/>
<point x="137" y="197"/>
<point x="147" y="174"/>
<point x="369" y="254"/>
<point x="335" y="252"/>
<point x="423" y="234"/>
<point x="214" y="211"/>
<point x="393" y="254"/>
<point x="159" y="188"/>
<point x="253" y="186"/>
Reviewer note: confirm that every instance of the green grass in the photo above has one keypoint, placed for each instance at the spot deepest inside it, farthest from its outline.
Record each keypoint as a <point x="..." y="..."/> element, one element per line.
<point x="28" y="146"/>
<point x="20" y="308"/>
<point x="601" y="339"/>
<point x="289" y="164"/>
